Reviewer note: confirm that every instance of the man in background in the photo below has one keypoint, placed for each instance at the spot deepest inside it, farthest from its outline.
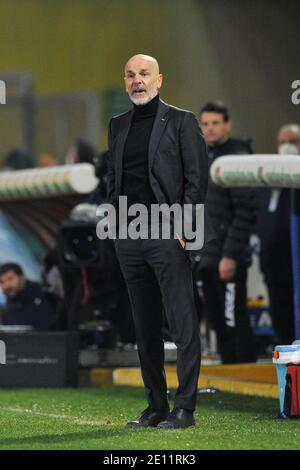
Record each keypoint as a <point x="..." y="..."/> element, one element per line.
<point x="273" y="229"/>
<point x="224" y="262"/>
<point x="26" y="303"/>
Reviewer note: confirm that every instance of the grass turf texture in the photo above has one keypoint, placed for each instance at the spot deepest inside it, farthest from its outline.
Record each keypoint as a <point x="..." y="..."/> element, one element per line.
<point x="95" y="419"/>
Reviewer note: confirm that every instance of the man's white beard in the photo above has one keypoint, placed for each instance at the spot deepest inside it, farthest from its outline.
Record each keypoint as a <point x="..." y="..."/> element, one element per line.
<point x="141" y="101"/>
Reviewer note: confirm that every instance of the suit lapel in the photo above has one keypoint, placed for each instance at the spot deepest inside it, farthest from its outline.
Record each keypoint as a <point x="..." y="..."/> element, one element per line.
<point x="120" y="149"/>
<point x="158" y="129"/>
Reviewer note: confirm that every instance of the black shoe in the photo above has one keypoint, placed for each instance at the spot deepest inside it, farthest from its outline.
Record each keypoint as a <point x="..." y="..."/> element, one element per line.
<point x="179" y="418"/>
<point x="149" y="419"/>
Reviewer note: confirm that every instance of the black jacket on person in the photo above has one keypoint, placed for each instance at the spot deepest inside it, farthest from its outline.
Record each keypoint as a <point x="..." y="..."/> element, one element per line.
<point x="29" y="307"/>
<point x="177" y="173"/>
<point x="273" y="229"/>
<point x="232" y="212"/>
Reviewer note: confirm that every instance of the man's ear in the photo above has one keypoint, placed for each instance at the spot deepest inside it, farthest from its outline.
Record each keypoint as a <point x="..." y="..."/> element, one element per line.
<point x="229" y="125"/>
<point x="159" y="80"/>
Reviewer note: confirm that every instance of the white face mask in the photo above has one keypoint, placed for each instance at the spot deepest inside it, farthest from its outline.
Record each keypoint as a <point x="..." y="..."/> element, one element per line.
<point x="288" y="149"/>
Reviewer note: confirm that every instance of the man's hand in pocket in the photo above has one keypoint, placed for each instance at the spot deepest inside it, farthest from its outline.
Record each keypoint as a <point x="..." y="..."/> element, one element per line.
<point x="181" y="241"/>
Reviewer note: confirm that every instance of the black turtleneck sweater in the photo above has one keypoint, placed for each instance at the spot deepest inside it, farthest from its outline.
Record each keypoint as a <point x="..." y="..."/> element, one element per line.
<point x="135" y="181"/>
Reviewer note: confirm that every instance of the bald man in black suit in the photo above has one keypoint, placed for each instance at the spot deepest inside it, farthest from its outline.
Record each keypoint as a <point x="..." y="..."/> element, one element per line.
<point x="158" y="155"/>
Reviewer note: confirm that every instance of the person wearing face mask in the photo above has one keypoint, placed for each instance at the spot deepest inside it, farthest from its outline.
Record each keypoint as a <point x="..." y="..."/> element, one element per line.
<point x="273" y="229"/>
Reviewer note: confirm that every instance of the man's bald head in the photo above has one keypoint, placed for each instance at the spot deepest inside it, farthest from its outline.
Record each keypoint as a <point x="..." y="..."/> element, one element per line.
<point x="142" y="78"/>
<point x="143" y="57"/>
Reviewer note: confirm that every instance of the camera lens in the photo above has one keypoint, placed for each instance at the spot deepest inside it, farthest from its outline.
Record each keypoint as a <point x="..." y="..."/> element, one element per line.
<point x="81" y="245"/>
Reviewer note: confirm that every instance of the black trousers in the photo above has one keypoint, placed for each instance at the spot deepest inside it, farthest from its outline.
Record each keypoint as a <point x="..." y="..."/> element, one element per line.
<point x="158" y="274"/>
<point x="282" y="311"/>
<point x="226" y="304"/>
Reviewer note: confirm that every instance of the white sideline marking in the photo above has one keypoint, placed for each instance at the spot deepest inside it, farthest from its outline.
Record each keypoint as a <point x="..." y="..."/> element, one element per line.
<point x="75" y="419"/>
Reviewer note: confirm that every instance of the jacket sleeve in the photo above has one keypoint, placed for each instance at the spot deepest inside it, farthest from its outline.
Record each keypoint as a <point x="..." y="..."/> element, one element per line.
<point x="110" y="169"/>
<point x="195" y="172"/>
<point x="195" y="161"/>
<point x="244" y="207"/>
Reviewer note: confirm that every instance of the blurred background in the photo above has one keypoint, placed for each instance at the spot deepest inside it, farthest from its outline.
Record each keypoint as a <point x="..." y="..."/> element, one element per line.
<point x="65" y="59"/>
<point x="62" y="62"/>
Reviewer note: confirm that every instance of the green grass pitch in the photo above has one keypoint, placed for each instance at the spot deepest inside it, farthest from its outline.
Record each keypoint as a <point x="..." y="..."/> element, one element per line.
<point x="94" y="418"/>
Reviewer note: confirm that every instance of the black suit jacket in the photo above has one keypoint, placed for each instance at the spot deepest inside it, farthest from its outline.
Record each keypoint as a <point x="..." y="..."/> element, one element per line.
<point x="177" y="164"/>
